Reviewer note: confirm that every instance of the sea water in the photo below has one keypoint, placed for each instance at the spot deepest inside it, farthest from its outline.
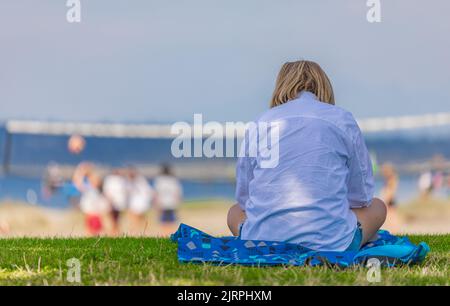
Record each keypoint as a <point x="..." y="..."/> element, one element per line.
<point x="31" y="154"/>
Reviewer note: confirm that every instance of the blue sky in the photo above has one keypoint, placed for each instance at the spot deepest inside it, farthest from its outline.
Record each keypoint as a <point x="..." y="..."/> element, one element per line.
<point x="163" y="60"/>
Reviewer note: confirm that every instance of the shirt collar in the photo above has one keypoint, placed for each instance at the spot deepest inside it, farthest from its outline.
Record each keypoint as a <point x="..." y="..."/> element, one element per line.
<point x="306" y="95"/>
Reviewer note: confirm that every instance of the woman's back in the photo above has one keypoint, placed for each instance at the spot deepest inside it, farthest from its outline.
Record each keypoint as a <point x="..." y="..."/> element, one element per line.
<point x="323" y="170"/>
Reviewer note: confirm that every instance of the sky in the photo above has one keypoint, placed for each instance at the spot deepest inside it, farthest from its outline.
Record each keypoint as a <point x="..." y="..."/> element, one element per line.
<point x="164" y="60"/>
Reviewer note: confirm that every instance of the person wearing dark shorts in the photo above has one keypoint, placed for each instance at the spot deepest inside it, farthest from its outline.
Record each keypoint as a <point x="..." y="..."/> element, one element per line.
<point x="168" y="198"/>
<point x="168" y="216"/>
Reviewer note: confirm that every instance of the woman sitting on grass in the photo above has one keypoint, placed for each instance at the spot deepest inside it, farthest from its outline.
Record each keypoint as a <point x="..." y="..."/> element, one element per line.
<point x="320" y="195"/>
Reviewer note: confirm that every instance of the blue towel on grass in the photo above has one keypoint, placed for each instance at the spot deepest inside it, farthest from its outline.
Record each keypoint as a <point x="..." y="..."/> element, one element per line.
<point x="198" y="247"/>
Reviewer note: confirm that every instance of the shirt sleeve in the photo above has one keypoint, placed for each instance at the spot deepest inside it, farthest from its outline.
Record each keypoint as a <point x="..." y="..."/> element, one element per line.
<point x="360" y="183"/>
<point x="244" y="174"/>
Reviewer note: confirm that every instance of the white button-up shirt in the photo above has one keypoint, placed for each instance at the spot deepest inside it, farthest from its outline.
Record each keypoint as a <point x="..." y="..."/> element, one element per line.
<point x="323" y="170"/>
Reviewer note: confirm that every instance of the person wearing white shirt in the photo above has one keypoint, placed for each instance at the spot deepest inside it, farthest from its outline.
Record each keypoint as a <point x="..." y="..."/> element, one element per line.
<point x="319" y="191"/>
<point x="92" y="203"/>
<point x="140" y="196"/>
<point x="168" y="198"/>
<point x="116" y="192"/>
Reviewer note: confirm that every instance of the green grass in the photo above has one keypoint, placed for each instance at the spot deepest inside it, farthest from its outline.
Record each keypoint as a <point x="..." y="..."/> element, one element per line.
<point x="150" y="261"/>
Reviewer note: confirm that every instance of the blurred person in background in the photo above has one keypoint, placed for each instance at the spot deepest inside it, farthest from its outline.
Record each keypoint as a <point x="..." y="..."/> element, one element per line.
<point x="389" y="191"/>
<point x="168" y="198"/>
<point x="388" y="194"/>
<point x="425" y="185"/>
<point x="116" y="192"/>
<point x="76" y="146"/>
<point x="92" y="203"/>
<point x="434" y="180"/>
<point x="52" y="180"/>
<point x="140" y="196"/>
<point x="448" y="185"/>
<point x="439" y="172"/>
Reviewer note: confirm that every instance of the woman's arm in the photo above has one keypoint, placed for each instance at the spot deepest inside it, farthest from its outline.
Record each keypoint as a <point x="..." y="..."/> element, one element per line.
<point x="361" y="182"/>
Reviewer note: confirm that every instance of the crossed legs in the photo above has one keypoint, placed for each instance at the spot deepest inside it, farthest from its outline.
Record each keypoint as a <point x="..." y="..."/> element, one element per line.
<point x="371" y="218"/>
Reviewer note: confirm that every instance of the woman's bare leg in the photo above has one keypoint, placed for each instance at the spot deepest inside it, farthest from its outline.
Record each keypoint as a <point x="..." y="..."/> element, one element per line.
<point x="371" y="218"/>
<point x="236" y="216"/>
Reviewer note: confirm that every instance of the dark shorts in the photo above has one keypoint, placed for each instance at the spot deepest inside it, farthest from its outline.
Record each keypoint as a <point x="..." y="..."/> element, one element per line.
<point x="168" y="216"/>
<point x="115" y="215"/>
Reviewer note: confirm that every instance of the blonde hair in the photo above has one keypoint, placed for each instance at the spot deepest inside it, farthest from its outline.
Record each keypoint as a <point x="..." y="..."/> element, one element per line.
<point x="295" y="77"/>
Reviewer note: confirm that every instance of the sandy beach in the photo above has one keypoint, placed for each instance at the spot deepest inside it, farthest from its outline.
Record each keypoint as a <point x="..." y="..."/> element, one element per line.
<point x="18" y="220"/>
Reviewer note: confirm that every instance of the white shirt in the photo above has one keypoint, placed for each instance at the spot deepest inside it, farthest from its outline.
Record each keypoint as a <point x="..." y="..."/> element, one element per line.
<point x="92" y="202"/>
<point x="140" y="195"/>
<point x="115" y="189"/>
<point x="168" y="190"/>
<point x="323" y="170"/>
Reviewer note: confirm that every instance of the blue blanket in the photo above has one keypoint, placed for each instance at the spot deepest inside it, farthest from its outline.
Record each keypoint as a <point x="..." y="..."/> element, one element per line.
<point x="198" y="247"/>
